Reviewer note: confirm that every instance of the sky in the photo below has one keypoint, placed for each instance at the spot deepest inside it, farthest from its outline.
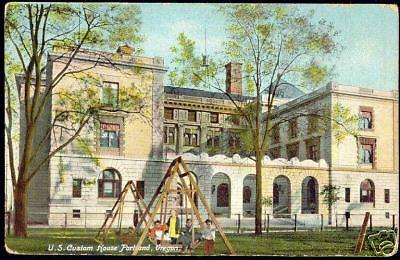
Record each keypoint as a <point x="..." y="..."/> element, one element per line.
<point x="368" y="34"/>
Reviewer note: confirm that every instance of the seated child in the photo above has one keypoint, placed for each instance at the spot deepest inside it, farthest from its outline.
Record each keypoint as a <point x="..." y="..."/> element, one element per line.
<point x="186" y="237"/>
<point x="157" y="232"/>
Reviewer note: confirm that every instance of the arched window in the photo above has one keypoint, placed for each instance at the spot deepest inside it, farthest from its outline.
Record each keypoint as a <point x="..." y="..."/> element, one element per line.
<point x="246" y="194"/>
<point x="367" y="191"/>
<point x="223" y="195"/>
<point x="109" y="184"/>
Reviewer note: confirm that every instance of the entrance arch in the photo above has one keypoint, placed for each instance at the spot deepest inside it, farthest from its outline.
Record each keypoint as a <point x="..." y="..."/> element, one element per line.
<point x="281" y="197"/>
<point x="221" y="195"/>
<point x="309" y="196"/>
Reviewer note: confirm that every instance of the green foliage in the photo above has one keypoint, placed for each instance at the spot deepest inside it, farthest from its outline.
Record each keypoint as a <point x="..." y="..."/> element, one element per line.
<point x="330" y="193"/>
<point x="189" y="69"/>
<point x="267" y="201"/>
<point x="84" y="145"/>
<point x="341" y="121"/>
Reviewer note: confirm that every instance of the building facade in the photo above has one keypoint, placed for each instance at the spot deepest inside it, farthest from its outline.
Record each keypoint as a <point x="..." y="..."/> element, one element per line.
<point x="201" y="126"/>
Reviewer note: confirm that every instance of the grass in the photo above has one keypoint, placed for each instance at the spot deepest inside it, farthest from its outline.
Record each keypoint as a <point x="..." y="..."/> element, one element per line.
<point x="282" y="243"/>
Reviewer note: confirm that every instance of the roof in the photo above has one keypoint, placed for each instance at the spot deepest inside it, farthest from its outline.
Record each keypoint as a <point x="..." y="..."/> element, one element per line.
<point x="287" y="90"/>
<point x="203" y="93"/>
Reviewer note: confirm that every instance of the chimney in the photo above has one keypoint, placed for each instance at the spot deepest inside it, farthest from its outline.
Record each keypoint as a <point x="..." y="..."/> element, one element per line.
<point x="124" y="51"/>
<point x="233" y="78"/>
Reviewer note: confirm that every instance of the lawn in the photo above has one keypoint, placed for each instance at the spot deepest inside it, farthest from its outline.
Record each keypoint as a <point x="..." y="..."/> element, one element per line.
<point x="80" y="241"/>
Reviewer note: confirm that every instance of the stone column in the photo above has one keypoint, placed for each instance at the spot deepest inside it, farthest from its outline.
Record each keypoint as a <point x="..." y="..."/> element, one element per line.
<point x="203" y="139"/>
<point x="180" y="138"/>
<point x="224" y="140"/>
<point x="158" y="111"/>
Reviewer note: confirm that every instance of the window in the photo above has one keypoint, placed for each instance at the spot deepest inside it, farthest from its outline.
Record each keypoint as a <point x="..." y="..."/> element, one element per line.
<point x="246" y="194"/>
<point x="76" y="188"/>
<point x="108" y="213"/>
<point x="387" y="196"/>
<point x="109" y="184"/>
<point x="109" y="136"/>
<point x="313" y="148"/>
<point x="367" y="149"/>
<point x="387" y="214"/>
<point x="234" y="140"/>
<point x="140" y="188"/>
<point x="213" y="138"/>
<point x="192" y="116"/>
<point x="190" y="137"/>
<point x="365" y="118"/>
<point x="275" y="135"/>
<point x="293" y="128"/>
<point x="275" y="153"/>
<point x="367" y="191"/>
<point x="223" y="195"/>
<point x="347" y="194"/>
<point x="214" y="118"/>
<point x="76" y="213"/>
<point x="292" y="150"/>
<point x="168" y="113"/>
<point x="169" y="135"/>
<point x="110" y="94"/>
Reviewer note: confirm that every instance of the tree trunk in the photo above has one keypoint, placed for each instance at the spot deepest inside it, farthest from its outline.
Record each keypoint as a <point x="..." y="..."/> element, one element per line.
<point x="258" y="219"/>
<point x="20" y="219"/>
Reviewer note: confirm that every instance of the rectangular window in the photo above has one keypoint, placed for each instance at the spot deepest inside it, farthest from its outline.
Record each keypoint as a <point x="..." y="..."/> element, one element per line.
<point x="292" y="150"/>
<point x="109" y="213"/>
<point x="168" y="113"/>
<point x="293" y="128"/>
<point x="367" y="150"/>
<point x="275" y="153"/>
<point x="313" y="148"/>
<point x="169" y="135"/>
<point x="76" y="188"/>
<point x="347" y="195"/>
<point x="109" y="136"/>
<point x="275" y="135"/>
<point x="192" y="116"/>
<point x="234" y="140"/>
<point x="213" y="138"/>
<point x="387" y="196"/>
<point x="365" y="118"/>
<point x="214" y="118"/>
<point x="140" y="188"/>
<point x="387" y="214"/>
<point x="76" y="213"/>
<point x="190" y="137"/>
<point x="110" y="94"/>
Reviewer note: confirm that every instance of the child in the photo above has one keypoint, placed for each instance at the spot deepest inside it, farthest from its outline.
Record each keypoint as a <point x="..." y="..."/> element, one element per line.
<point x="156" y="232"/>
<point x="173" y="227"/>
<point x="186" y="237"/>
<point x="209" y="237"/>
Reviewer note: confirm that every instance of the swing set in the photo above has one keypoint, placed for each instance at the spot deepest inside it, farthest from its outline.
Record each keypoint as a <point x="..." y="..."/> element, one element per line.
<point x="177" y="173"/>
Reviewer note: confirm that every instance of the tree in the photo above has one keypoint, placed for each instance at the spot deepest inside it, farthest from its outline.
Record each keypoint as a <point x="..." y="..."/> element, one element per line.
<point x="330" y="193"/>
<point x="31" y="30"/>
<point x="274" y="44"/>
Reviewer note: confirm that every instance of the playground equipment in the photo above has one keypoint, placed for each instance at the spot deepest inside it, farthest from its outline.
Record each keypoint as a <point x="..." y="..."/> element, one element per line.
<point x="190" y="191"/>
<point x="117" y="211"/>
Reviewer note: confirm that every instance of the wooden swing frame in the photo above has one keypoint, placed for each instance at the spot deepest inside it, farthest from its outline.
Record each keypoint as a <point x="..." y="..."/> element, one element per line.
<point x="117" y="210"/>
<point x="173" y="171"/>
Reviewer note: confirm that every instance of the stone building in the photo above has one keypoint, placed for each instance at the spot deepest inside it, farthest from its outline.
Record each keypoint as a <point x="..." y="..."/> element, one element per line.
<point x="200" y="125"/>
